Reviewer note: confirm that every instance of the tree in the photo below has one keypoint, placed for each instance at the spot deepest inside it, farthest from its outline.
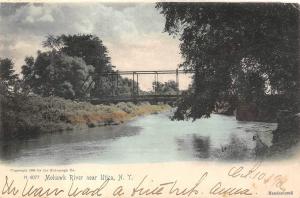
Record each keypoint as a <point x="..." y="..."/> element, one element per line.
<point x="225" y="43"/>
<point x="83" y="57"/>
<point x="10" y="82"/>
<point x="166" y="88"/>
<point x="88" y="47"/>
<point x="125" y="87"/>
<point x="7" y="70"/>
<point x="57" y="74"/>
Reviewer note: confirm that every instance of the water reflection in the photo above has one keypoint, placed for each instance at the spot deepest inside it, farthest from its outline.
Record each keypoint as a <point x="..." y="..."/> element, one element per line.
<point x="201" y="146"/>
<point x="236" y="149"/>
<point x="63" y="147"/>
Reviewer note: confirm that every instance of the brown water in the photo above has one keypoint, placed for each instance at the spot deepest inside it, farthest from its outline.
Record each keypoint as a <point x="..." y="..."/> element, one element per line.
<point x="152" y="138"/>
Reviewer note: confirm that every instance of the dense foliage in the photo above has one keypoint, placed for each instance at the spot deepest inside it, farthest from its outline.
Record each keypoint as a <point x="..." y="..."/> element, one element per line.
<point x="12" y="98"/>
<point x="54" y="74"/>
<point x="86" y="46"/>
<point x="238" y="51"/>
<point x="166" y="88"/>
<point x="72" y="68"/>
<point x="7" y="70"/>
<point x="91" y="49"/>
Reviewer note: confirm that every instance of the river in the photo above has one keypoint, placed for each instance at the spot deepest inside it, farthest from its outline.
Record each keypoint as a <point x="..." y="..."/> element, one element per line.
<point x="152" y="138"/>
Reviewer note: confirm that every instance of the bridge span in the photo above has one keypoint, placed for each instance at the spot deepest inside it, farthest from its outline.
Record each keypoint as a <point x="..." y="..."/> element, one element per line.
<point x="135" y="95"/>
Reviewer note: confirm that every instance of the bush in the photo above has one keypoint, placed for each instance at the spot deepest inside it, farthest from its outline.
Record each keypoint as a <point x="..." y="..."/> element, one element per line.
<point x="26" y="116"/>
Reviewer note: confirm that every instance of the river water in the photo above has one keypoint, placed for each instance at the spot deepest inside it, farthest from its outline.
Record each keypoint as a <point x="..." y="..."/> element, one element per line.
<point x="153" y="138"/>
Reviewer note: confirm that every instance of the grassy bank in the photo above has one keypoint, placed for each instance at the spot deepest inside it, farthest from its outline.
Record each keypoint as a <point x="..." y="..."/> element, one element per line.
<point x="36" y="115"/>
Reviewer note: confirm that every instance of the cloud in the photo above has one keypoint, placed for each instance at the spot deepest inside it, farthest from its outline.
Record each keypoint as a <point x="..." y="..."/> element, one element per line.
<point x="132" y="32"/>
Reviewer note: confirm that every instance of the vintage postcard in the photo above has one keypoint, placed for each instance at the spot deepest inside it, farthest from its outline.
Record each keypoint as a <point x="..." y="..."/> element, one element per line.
<point x="149" y="99"/>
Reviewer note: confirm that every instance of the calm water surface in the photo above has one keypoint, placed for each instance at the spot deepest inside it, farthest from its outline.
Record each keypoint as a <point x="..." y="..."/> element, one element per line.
<point x="152" y="138"/>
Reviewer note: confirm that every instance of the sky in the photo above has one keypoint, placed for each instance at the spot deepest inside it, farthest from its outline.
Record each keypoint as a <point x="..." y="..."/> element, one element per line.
<point x="132" y="32"/>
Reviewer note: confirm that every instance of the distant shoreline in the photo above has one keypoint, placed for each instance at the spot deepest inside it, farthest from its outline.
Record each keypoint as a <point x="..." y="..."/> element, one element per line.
<point x="41" y="115"/>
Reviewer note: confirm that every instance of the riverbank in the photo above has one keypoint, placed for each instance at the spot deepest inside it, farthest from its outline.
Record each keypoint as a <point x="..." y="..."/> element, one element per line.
<point x="36" y="115"/>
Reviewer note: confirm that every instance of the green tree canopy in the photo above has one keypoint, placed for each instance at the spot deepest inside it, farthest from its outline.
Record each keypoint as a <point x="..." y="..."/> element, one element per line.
<point x="86" y="46"/>
<point x="7" y="70"/>
<point x="57" y="74"/>
<point x="72" y="68"/>
<point x="166" y="88"/>
<point x="9" y="81"/>
<point x="91" y="49"/>
<point x="233" y="47"/>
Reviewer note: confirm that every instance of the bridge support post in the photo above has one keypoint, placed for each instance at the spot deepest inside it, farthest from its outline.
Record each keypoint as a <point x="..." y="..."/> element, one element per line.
<point x="156" y="82"/>
<point x="137" y="84"/>
<point x="132" y="84"/>
<point x="111" y="80"/>
<point x="177" y="82"/>
<point x="117" y="83"/>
